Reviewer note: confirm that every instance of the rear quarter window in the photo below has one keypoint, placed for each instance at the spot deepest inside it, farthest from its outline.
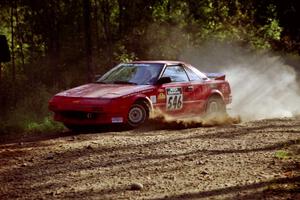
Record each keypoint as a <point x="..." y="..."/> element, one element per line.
<point x="193" y="76"/>
<point x="176" y="73"/>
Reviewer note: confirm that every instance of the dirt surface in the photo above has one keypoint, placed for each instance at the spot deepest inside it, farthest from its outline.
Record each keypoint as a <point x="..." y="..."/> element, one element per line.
<point x="253" y="160"/>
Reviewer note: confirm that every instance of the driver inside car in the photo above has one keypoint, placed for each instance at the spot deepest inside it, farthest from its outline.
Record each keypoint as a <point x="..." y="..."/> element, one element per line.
<point x="142" y="76"/>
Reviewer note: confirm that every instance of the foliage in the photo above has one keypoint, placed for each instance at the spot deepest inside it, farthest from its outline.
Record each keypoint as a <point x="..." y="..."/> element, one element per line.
<point x="123" y="56"/>
<point x="47" y="125"/>
<point x="281" y="154"/>
<point x="30" y="113"/>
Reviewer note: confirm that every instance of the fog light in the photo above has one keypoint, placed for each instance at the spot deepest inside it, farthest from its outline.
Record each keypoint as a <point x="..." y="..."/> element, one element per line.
<point x="89" y="115"/>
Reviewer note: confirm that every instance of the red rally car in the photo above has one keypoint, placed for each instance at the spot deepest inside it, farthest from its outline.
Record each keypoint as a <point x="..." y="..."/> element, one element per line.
<point x="129" y="92"/>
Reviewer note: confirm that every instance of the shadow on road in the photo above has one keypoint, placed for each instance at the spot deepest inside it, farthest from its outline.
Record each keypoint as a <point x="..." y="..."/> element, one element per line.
<point x="149" y="126"/>
<point x="276" y="185"/>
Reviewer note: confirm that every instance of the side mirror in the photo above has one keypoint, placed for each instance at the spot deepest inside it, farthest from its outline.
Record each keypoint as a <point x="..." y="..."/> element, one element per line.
<point x="4" y="50"/>
<point x="163" y="80"/>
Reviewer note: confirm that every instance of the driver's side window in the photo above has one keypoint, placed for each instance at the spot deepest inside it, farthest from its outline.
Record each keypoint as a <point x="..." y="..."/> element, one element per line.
<point x="176" y="73"/>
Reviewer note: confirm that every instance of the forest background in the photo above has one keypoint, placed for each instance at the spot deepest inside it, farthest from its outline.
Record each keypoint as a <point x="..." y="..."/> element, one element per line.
<point x="59" y="44"/>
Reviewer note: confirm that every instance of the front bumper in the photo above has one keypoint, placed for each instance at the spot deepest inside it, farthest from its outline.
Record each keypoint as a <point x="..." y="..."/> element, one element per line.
<point x="88" y="118"/>
<point x="76" y="111"/>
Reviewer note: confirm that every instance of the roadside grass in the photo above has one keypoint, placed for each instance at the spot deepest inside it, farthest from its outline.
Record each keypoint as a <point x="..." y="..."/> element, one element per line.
<point x="47" y="125"/>
<point x="30" y="130"/>
<point x="291" y="152"/>
<point x="18" y="128"/>
<point x="30" y="114"/>
<point x="282" y="154"/>
<point x="290" y="161"/>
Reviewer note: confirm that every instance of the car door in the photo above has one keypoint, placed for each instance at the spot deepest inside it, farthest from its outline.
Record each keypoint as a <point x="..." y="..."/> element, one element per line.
<point x="201" y="90"/>
<point x="175" y="97"/>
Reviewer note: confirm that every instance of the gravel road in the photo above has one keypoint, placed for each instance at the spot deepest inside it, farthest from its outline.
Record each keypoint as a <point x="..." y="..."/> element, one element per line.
<point x="250" y="160"/>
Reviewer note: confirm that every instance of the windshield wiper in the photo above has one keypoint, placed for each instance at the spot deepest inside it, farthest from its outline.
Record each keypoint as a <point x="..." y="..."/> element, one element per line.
<point x="124" y="82"/>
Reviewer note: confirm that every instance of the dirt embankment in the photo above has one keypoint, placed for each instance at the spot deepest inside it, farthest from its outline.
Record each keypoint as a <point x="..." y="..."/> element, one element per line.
<point x="253" y="160"/>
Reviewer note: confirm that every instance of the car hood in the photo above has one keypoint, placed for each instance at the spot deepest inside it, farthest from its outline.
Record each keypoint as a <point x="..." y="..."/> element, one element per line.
<point x="96" y="90"/>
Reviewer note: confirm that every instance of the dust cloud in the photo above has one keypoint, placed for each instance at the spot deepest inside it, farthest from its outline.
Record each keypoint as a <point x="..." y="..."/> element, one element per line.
<point x="157" y="116"/>
<point x="263" y="86"/>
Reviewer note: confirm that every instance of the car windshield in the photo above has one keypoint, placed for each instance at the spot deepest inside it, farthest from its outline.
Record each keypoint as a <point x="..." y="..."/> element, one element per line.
<point x="132" y="73"/>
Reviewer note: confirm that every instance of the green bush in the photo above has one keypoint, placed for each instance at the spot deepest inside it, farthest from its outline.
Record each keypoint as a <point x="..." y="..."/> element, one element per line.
<point x="30" y="114"/>
<point x="47" y="125"/>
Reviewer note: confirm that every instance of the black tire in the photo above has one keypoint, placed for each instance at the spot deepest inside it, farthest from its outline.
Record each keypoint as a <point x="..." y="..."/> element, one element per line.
<point x="75" y="128"/>
<point x="215" y="107"/>
<point x="137" y="115"/>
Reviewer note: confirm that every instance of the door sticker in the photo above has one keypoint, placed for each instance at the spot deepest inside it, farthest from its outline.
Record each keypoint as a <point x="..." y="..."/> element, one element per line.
<point x="153" y="99"/>
<point x="117" y="120"/>
<point x="161" y="96"/>
<point x="174" y="98"/>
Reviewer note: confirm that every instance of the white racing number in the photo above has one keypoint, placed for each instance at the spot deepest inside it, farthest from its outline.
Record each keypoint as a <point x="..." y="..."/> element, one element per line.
<point x="174" y="98"/>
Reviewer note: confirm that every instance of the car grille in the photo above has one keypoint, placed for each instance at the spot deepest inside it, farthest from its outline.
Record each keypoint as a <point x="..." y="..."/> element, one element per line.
<point x="79" y="115"/>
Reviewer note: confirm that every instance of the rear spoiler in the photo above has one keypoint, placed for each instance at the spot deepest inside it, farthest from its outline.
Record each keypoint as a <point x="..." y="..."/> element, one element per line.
<point x="216" y="76"/>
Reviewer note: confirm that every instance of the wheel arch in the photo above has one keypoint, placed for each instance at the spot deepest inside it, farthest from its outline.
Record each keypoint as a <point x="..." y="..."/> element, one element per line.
<point x="144" y="100"/>
<point x="216" y="93"/>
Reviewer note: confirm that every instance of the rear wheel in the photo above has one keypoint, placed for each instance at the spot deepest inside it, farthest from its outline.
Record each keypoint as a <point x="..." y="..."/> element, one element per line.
<point x="215" y="107"/>
<point x="137" y="115"/>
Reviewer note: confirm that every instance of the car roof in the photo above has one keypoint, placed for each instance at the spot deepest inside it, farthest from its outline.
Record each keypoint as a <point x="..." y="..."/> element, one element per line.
<point x="167" y="62"/>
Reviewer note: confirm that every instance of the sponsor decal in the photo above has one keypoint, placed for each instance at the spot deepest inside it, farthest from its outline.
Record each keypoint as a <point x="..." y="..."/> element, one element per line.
<point x="174" y="98"/>
<point x="153" y="99"/>
<point x="161" y="96"/>
<point x="117" y="120"/>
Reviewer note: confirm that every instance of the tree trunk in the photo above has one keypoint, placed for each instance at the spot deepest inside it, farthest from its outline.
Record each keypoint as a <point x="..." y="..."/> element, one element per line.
<point x="123" y="16"/>
<point x="20" y="39"/>
<point x="96" y="7"/>
<point x="0" y="74"/>
<point x="106" y="12"/>
<point x="12" y="41"/>
<point x="14" y="100"/>
<point x="88" y="41"/>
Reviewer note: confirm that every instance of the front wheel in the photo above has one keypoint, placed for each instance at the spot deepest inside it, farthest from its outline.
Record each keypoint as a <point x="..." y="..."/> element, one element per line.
<point x="75" y="128"/>
<point x="137" y="115"/>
